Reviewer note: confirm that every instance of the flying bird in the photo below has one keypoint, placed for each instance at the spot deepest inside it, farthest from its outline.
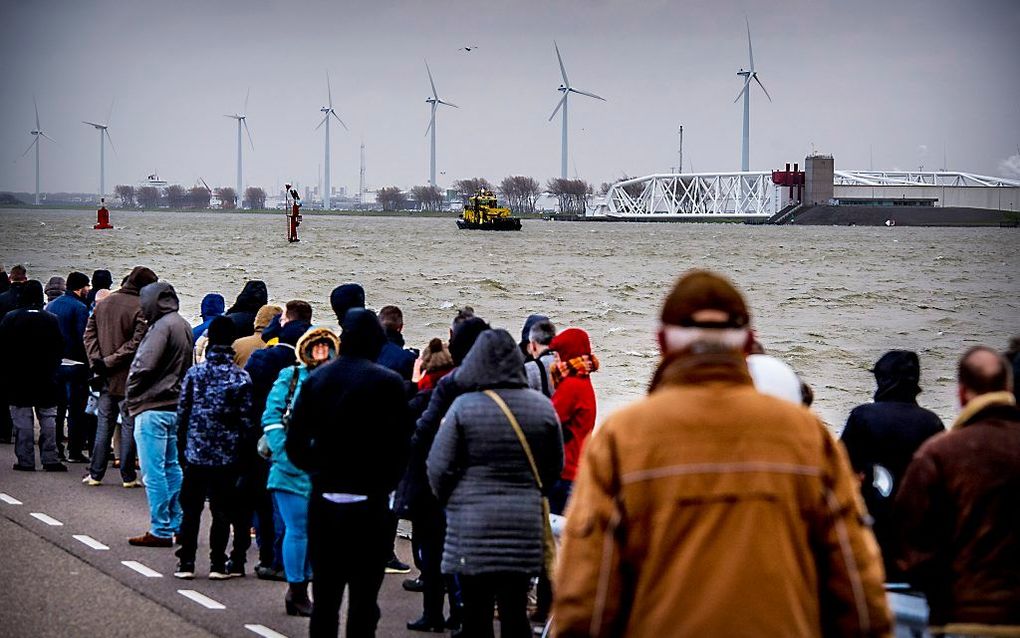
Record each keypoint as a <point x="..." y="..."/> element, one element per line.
<point x="468" y="49"/>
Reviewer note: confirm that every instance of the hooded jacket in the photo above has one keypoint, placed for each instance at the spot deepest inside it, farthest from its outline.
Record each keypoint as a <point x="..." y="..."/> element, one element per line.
<point x="212" y="307"/>
<point x="9" y="298"/>
<point x="574" y="400"/>
<point x="214" y="412"/>
<point x="244" y="346"/>
<point x="164" y="354"/>
<point x="32" y="349"/>
<point x="253" y="296"/>
<point x="958" y="514"/>
<point x="349" y="429"/>
<point x="344" y="297"/>
<point x="395" y="357"/>
<point x="708" y="509"/>
<point x="73" y="317"/>
<point x="115" y="329"/>
<point x="479" y="471"/>
<point x="265" y="365"/>
<point x="283" y="474"/>
<point x="887" y="433"/>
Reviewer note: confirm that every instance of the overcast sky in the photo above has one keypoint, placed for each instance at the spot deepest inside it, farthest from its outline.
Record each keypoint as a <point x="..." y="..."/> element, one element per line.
<point x="899" y="80"/>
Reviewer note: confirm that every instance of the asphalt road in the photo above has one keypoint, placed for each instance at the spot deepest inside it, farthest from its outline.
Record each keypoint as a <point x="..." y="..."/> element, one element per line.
<point x="63" y="549"/>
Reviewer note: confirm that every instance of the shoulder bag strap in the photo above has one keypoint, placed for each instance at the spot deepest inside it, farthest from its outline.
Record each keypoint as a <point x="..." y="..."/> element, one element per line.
<point x="543" y="373"/>
<point x="288" y="402"/>
<point x="519" y="432"/>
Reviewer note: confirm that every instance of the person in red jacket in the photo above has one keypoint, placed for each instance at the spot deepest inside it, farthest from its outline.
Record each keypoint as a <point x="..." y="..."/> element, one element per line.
<point x="574" y="400"/>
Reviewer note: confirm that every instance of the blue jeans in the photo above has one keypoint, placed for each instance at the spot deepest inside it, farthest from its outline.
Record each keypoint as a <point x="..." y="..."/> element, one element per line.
<point x="156" y="438"/>
<point x="294" y="510"/>
<point x="108" y="409"/>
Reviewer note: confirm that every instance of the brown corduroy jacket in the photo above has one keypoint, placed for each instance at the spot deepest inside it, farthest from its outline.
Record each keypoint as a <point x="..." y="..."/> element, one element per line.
<point x="708" y="509"/>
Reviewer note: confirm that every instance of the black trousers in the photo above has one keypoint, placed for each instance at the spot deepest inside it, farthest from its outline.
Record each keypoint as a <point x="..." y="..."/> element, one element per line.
<point x="81" y="430"/>
<point x="218" y="485"/>
<point x="251" y="497"/>
<point x="509" y="590"/>
<point x="429" y="533"/>
<point x="349" y="546"/>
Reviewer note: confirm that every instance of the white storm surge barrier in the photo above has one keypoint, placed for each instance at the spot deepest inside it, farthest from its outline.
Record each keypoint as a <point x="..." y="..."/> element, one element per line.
<point x="696" y="195"/>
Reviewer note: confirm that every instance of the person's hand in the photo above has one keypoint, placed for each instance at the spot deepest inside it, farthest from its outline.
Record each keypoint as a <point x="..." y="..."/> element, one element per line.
<point x="416" y="374"/>
<point x="99" y="368"/>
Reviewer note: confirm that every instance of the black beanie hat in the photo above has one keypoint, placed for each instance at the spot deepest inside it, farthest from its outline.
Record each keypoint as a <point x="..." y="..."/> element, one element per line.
<point x="221" y="331"/>
<point x="76" y="281"/>
<point x="464" y="336"/>
<point x="344" y="297"/>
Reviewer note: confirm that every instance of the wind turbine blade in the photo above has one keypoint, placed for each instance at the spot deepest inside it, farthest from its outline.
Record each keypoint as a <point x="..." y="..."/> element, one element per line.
<point x="333" y="113"/>
<point x="48" y="137"/>
<point x="109" y="115"/>
<point x="449" y="104"/>
<point x="431" y="81"/>
<point x="37" y="127"/>
<point x="748" y="81"/>
<point x="322" y="122"/>
<point x="432" y="120"/>
<point x="34" y="142"/>
<point x="559" y="104"/>
<point x="112" y="147"/>
<point x="248" y="131"/>
<point x="750" y="53"/>
<point x="233" y="117"/>
<point x="597" y="97"/>
<point x="99" y="125"/>
<point x="246" y="96"/>
<point x="563" y="70"/>
<point x="329" y="90"/>
<point x="762" y="87"/>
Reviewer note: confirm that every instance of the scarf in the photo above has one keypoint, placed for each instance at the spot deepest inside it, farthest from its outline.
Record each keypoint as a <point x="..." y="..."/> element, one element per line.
<point x="581" y="366"/>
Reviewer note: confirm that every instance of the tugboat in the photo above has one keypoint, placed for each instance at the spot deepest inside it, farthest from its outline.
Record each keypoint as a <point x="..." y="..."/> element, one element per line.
<point x="481" y="212"/>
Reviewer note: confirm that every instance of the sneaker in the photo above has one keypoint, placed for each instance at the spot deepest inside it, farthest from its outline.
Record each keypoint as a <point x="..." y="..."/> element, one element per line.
<point x="413" y="584"/>
<point x="91" y="482"/>
<point x="131" y="484"/>
<point x="54" y="467"/>
<point x="149" y="540"/>
<point x="23" y="468"/>
<point x="396" y="567"/>
<point x="185" y="570"/>
<point x="219" y="572"/>
<point x="236" y="570"/>
<point x="265" y="572"/>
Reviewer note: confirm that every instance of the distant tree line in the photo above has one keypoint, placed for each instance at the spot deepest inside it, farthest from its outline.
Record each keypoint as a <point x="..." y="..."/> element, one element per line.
<point x="196" y="197"/>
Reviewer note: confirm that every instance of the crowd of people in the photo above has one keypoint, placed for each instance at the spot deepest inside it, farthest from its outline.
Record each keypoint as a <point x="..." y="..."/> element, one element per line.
<point x="718" y="505"/>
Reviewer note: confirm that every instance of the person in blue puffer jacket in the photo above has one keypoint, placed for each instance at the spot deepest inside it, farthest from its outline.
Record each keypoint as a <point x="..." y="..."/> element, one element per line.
<point x="289" y="486"/>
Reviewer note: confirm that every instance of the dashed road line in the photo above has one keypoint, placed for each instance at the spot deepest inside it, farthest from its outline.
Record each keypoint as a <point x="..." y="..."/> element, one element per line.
<point x="201" y="599"/>
<point x="141" y="569"/>
<point x="10" y="500"/>
<point x="45" y="518"/>
<point x="91" y="542"/>
<point x="264" y="631"/>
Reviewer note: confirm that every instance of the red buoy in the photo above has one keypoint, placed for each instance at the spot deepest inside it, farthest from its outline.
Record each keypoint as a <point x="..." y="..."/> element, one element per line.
<point x="102" y="217"/>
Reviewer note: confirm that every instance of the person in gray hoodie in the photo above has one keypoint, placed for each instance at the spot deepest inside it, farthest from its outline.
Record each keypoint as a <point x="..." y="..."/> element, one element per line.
<point x="153" y="388"/>
<point x="480" y="472"/>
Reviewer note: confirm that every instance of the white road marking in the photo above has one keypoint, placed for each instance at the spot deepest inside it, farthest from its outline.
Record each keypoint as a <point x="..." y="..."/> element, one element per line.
<point x="91" y="542"/>
<point x="10" y="500"/>
<point x="49" y="520"/>
<point x="141" y="569"/>
<point x="262" y="630"/>
<point x="201" y="599"/>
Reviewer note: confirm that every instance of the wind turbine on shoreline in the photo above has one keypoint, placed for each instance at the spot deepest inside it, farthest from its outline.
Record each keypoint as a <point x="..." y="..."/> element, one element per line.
<point x="35" y="142"/>
<point x="566" y="89"/>
<point x="242" y="118"/>
<point x="748" y="75"/>
<point x="104" y="134"/>
<point x="328" y="110"/>
<point x="434" y="101"/>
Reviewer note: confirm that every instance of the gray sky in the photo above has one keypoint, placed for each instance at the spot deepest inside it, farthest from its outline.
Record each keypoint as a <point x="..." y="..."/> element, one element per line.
<point x="906" y="78"/>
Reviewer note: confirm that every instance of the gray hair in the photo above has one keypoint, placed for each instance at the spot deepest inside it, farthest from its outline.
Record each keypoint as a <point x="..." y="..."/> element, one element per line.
<point x="542" y="333"/>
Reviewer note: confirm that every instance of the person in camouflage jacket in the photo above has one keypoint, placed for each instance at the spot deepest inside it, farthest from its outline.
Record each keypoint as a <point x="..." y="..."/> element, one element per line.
<point x="214" y="415"/>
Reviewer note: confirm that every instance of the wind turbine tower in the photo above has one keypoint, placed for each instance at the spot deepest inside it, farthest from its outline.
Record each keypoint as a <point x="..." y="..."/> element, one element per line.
<point x="242" y="118"/>
<point x="748" y="75"/>
<point x="328" y="111"/>
<point x="566" y="89"/>
<point x="37" y="133"/>
<point x="361" y="176"/>
<point x="104" y="134"/>
<point x="434" y="101"/>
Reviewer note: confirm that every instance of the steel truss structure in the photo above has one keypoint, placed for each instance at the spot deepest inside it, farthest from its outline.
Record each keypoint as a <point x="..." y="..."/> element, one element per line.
<point x="694" y="195"/>
<point x="919" y="178"/>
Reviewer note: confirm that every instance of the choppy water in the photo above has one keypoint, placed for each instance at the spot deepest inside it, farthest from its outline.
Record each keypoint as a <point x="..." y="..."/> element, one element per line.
<point x="828" y="300"/>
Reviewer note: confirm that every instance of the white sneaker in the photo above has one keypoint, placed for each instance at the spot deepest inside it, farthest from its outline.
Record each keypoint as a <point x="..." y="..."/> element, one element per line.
<point x="91" y="482"/>
<point x="130" y="484"/>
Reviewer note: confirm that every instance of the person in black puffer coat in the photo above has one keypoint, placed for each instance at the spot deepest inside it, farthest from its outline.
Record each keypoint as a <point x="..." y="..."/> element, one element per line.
<point x="349" y="430"/>
<point x="881" y="438"/>
<point x="242" y="313"/>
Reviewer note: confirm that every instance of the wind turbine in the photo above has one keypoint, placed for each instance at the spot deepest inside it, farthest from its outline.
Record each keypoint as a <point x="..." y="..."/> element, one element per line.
<point x="35" y="142"/>
<point x="104" y="134"/>
<point x="242" y="118"/>
<point x="566" y="89"/>
<point x="434" y="101"/>
<point x="328" y="110"/>
<point x="748" y="75"/>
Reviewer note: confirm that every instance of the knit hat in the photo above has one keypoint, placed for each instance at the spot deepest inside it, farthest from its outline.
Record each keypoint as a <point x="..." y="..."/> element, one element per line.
<point x="701" y="290"/>
<point x="344" y="297"/>
<point x="101" y="279"/>
<point x="77" y="280"/>
<point x="436" y="356"/>
<point x="221" y="331"/>
<point x="55" y="287"/>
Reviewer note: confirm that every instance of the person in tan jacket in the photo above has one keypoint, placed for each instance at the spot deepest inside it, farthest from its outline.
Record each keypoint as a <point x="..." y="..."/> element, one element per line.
<point x="244" y="346"/>
<point x="709" y="509"/>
